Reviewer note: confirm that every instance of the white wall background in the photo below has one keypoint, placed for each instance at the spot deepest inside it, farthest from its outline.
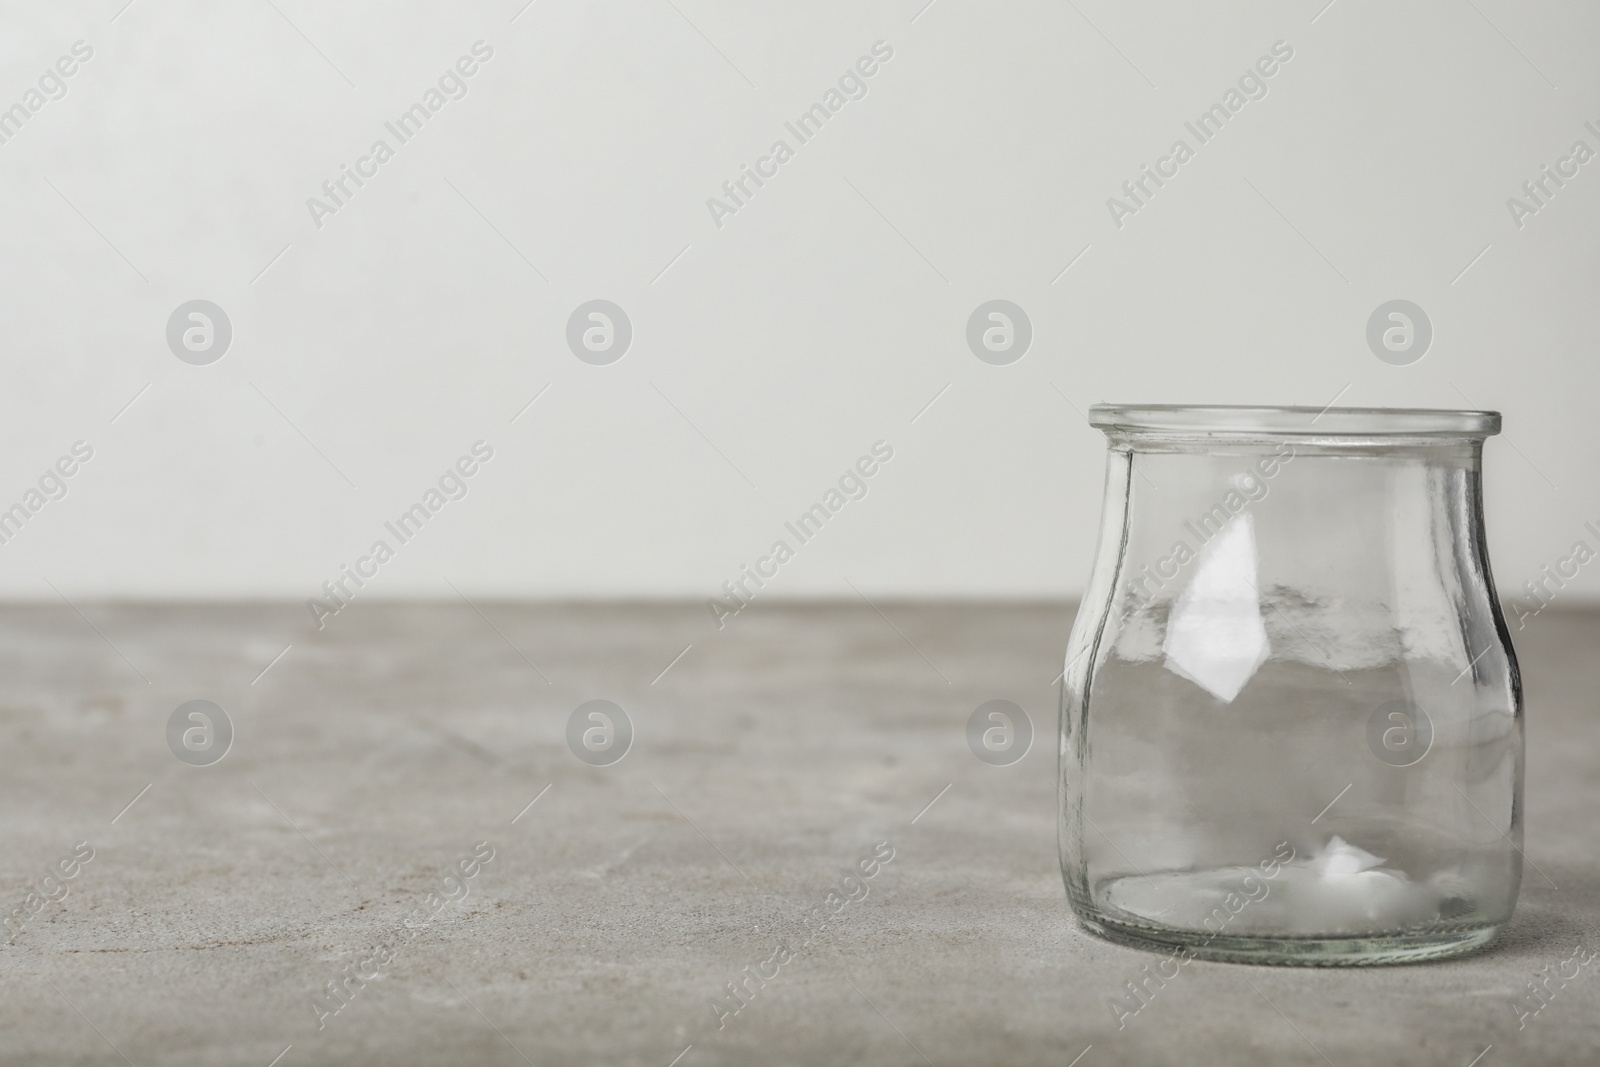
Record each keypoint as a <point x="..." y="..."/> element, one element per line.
<point x="824" y="316"/>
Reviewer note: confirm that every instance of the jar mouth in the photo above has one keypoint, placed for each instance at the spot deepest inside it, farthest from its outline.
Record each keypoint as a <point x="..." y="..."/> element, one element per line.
<point x="1185" y="420"/>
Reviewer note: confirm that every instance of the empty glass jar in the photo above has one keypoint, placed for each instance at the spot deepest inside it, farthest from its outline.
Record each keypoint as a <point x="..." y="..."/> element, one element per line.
<point x="1291" y="725"/>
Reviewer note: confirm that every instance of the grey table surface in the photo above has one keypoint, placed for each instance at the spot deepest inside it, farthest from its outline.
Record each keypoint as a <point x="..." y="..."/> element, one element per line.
<point x="377" y="753"/>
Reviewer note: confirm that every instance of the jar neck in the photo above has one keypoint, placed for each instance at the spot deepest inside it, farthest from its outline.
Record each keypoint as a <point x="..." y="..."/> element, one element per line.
<point x="1452" y="450"/>
<point x="1391" y="534"/>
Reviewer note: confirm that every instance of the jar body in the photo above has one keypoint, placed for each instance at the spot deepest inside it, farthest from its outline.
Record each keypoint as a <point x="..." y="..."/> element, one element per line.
<point x="1291" y="722"/>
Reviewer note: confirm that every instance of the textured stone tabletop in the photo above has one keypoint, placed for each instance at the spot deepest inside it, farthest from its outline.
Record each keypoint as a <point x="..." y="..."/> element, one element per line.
<point x="371" y="826"/>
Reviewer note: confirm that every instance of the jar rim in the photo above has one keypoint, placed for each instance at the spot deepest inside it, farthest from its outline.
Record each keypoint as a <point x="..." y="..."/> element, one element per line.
<point x="1269" y="421"/>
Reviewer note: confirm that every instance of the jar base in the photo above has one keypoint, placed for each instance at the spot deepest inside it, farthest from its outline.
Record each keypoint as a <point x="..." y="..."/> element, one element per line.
<point x="1352" y="951"/>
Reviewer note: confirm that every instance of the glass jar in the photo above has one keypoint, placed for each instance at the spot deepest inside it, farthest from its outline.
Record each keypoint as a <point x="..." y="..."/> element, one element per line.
<point x="1291" y="720"/>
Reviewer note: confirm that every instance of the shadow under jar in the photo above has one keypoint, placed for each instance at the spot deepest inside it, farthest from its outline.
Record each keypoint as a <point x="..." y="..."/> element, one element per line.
<point x="1291" y="725"/>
